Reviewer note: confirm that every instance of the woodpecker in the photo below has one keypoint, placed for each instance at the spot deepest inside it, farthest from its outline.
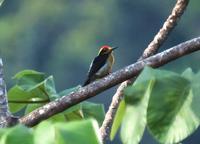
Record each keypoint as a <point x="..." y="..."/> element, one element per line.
<point x="101" y="65"/>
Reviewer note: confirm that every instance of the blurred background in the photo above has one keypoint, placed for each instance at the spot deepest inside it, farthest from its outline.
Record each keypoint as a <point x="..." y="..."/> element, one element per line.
<point x="61" y="38"/>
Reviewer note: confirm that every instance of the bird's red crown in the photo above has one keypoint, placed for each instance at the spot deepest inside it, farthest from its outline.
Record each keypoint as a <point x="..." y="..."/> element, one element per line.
<point x="105" y="47"/>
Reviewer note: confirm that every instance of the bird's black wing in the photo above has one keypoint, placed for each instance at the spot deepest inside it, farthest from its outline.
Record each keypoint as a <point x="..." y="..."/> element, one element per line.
<point x="95" y="66"/>
<point x="97" y="63"/>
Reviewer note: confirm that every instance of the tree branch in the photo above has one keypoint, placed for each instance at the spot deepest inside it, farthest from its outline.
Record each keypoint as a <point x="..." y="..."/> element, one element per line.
<point x="152" y="48"/>
<point x="111" y="80"/>
<point x="6" y="119"/>
<point x="167" y="27"/>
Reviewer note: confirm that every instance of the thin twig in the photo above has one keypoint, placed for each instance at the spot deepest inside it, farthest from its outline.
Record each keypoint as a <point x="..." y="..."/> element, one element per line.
<point x="111" y="80"/>
<point x="28" y="101"/>
<point x="152" y="48"/>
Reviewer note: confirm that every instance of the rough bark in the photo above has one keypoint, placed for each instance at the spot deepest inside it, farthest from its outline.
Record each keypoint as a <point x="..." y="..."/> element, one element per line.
<point x="6" y="119"/>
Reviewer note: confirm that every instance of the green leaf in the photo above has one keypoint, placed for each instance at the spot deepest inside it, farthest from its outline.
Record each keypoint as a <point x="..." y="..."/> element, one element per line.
<point x="1" y="2"/>
<point x="134" y="94"/>
<point x="2" y="132"/>
<point x="29" y="80"/>
<point x="85" y="110"/>
<point x="17" y="94"/>
<point x="76" y="107"/>
<point x="77" y="132"/>
<point x="168" y="111"/>
<point x="118" y="119"/>
<point x="23" y="73"/>
<point x="172" y="110"/>
<point x="58" y="118"/>
<point x="31" y="85"/>
<point x="44" y="133"/>
<point x="195" y="84"/>
<point x="49" y="88"/>
<point x="93" y="110"/>
<point x="33" y="106"/>
<point x="17" y="135"/>
<point x="134" y="121"/>
<point x="188" y="74"/>
<point x="74" y="113"/>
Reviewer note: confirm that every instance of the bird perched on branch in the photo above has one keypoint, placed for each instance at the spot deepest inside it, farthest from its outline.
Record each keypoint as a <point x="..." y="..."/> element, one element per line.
<point x="101" y="65"/>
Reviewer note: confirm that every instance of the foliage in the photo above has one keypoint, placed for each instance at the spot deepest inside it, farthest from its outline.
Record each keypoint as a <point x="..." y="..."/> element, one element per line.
<point x="1" y="1"/>
<point x="33" y="89"/>
<point x="77" y="132"/>
<point x="164" y="101"/>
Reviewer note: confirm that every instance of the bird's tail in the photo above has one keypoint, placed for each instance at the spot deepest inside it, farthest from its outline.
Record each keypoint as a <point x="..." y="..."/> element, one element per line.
<point x="87" y="82"/>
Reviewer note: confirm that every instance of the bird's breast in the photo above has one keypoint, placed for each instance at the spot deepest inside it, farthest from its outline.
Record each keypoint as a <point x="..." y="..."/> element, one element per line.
<point x="106" y="68"/>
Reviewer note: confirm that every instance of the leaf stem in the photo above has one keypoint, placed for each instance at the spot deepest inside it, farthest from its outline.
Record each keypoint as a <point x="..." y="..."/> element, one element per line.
<point x="28" y="102"/>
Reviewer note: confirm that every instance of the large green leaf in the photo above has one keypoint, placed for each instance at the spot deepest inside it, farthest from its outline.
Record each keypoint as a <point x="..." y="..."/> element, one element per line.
<point x="25" y="73"/>
<point x="118" y="119"/>
<point x="17" y="135"/>
<point x="172" y="112"/>
<point x="31" y="85"/>
<point x="85" y="110"/>
<point x="170" y="118"/>
<point x="44" y="133"/>
<point x="93" y="110"/>
<point x="2" y="132"/>
<point x="1" y="1"/>
<point x="49" y="88"/>
<point x="77" y="132"/>
<point x="188" y="74"/>
<point x="17" y="94"/>
<point x="195" y="82"/>
<point x="74" y="113"/>
<point x="133" y="96"/>
<point x="133" y="108"/>
<point x="58" y="118"/>
<point x="33" y="106"/>
<point x="134" y="121"/>
<point x="29" y="79"/>
<point x="195" y="91"/>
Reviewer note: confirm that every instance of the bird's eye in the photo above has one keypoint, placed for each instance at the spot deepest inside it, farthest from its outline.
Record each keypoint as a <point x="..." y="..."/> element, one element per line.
<point x="105" y="50"/>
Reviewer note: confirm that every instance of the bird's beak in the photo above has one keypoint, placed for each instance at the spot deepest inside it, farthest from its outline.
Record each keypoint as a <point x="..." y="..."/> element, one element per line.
<point x="113" y="48"/>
